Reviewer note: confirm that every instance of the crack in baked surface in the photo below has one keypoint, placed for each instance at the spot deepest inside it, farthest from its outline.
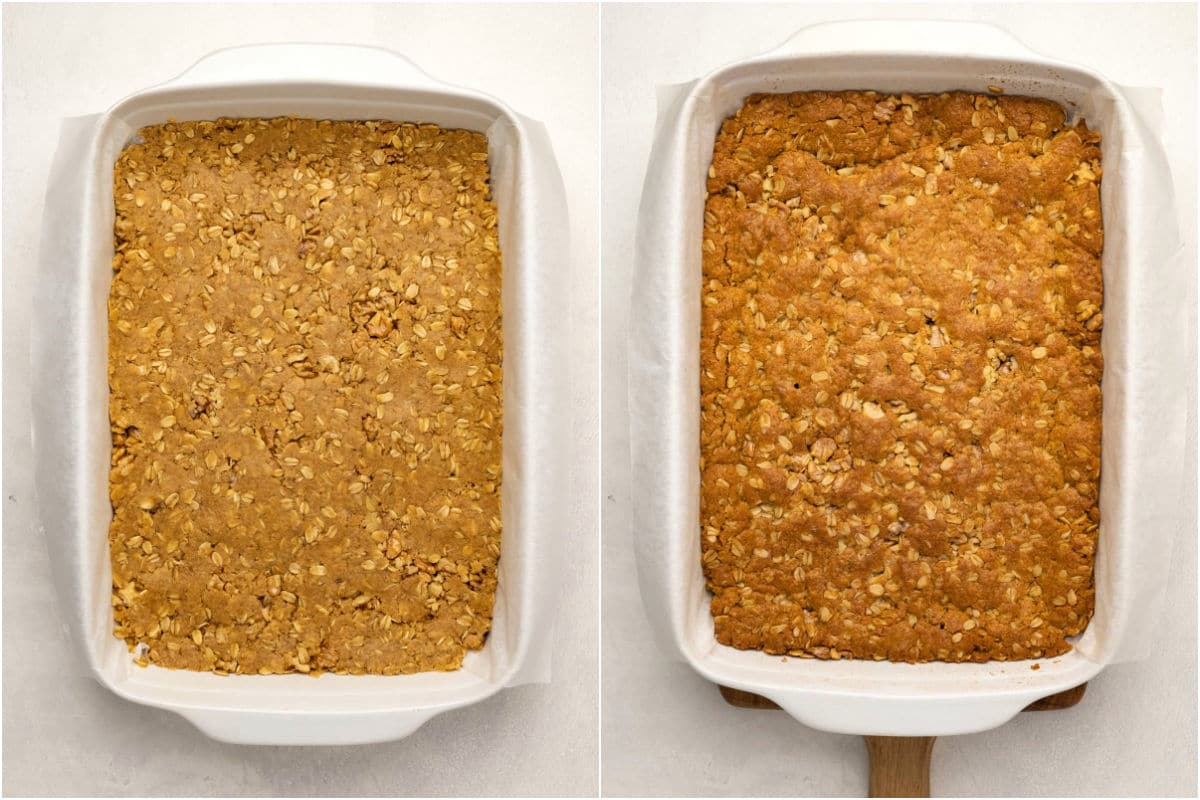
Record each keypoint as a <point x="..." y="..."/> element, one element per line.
<point x="900" y="376"/>
<point x="305" y="396"/>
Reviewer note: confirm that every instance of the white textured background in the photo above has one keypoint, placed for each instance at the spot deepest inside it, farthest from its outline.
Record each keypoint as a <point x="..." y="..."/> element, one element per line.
<point x="666" y="731"/>
<point x="63" y="733"/>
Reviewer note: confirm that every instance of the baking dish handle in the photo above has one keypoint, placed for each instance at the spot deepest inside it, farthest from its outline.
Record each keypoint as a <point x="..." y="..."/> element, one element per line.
<point x="305" y="63"/>
<point x="922" y="37"/>
<point x="883" y="715"/>
<point x="308" y="729"/>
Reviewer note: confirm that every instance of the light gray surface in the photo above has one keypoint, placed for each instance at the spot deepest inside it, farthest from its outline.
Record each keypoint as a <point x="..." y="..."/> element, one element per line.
<point x="666" y="731"/>
<point x="63" y="733"/>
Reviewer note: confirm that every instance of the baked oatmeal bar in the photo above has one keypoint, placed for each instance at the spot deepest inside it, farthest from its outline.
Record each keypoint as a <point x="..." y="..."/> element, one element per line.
<point x="305" y="371"/>
<point x="900" y="376"/>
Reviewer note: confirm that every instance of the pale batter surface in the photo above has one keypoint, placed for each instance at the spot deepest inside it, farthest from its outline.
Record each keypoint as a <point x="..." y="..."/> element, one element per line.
<point x="305" y="369"/>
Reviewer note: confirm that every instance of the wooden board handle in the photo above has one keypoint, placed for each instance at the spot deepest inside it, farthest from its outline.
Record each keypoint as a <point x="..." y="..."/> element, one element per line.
<point x="899" y="765"/>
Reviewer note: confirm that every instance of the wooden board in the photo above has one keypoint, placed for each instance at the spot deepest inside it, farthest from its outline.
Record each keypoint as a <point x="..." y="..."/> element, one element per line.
<point x="899" y="765"/>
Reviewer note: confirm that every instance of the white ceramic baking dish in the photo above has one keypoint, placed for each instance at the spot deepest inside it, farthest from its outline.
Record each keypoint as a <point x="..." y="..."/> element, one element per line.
<point x="864" y="697"/>
<point x="71" y="429"/>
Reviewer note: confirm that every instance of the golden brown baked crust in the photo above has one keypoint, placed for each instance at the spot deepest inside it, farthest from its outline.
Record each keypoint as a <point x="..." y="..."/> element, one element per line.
<point x="900" y="376"/>
<point x="304" y="364"/>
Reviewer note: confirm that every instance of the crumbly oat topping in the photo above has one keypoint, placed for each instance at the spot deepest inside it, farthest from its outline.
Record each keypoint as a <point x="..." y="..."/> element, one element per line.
<point x="900" y="375"/>
<point x="305" y="373"/>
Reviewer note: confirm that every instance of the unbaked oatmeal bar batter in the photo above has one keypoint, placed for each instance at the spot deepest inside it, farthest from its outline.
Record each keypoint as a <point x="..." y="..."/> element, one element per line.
<point x="305" y="370"/>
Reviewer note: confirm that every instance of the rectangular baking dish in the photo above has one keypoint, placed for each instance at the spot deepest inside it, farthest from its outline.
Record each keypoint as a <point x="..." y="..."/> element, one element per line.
<point x="862" y="697"/>
<point x="71" y="428"/>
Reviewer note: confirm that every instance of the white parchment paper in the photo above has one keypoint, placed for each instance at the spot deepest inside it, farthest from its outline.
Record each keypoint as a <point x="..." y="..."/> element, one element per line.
<point x="1146" y="372"/>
